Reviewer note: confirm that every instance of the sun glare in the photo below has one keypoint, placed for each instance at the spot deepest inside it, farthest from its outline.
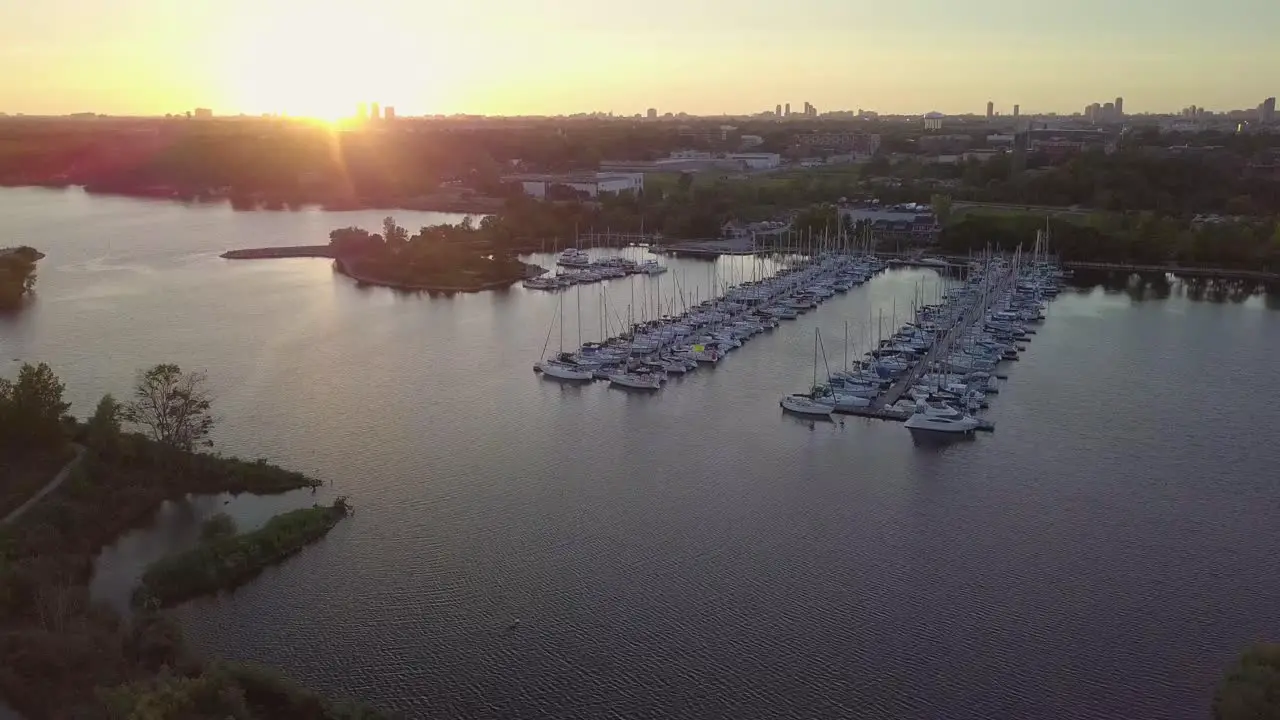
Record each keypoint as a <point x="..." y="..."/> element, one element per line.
<point x="319" y="63"/>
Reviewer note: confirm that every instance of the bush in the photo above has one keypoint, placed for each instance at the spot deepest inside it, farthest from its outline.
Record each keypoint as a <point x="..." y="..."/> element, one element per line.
<point x="1251" y="691"/>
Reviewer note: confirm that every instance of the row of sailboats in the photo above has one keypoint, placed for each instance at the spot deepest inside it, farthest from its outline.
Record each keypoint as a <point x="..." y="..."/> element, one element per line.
<point x="938" y="369"/>
<point x="647" y="352"/>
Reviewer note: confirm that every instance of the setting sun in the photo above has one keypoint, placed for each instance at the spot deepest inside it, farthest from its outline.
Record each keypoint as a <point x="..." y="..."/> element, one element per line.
<point x="321" y="62"/>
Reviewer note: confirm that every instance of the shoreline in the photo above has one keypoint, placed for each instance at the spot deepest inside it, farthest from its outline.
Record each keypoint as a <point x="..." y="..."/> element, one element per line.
<point x="482" y="205"/>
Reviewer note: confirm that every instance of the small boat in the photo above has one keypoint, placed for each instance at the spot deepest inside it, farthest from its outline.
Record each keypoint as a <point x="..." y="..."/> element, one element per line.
<point x="636" y="380"/>
<point x="563" y="370"/>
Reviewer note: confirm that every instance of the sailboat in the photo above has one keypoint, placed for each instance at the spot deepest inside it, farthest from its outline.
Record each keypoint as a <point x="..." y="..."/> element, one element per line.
<point x="562" y="366"/>
<point x="634" y="380"/>
<point x="803" y="404"/>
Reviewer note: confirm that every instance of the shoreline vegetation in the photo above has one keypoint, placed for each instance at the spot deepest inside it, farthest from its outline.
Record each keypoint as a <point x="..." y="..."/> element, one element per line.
<point x="64" y="655"/>
<point x="224" y="561"/>
<point x="17" y="275"/>
<point x="438" y="258"/>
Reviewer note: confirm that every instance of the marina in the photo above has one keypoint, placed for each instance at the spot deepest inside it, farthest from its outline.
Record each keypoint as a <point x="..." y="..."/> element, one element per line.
<point x="933" y="373"/>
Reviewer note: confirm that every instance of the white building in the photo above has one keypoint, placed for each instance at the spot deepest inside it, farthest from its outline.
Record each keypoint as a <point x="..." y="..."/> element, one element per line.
<point x="592" y="184"/>
<point x="690" y="155"/>
<point x="757" y="161"/>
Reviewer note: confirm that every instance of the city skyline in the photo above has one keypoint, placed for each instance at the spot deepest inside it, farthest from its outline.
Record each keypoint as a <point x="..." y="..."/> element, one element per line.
<point x="291" y="57"/>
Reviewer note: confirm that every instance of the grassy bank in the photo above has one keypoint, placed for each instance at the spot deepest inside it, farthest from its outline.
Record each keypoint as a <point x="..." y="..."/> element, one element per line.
<point x="59" y="651"/>
<point x="225" y="563"/>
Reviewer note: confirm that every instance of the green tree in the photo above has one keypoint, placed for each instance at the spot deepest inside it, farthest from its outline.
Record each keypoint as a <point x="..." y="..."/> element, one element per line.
<point x="104" y="426"/>
<point x="941" y="208"/>
<point x="394" y="235"/>
<point x="1251" y="690"/>
<point x="219" y="526"/>
<point x="31" y="408"/>
<point x="173" y="407"/>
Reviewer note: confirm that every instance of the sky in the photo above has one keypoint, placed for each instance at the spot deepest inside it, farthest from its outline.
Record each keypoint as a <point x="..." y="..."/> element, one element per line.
<point x="509" y="57"/>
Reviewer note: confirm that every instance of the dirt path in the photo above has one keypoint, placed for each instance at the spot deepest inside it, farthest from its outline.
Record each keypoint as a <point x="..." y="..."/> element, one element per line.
<point x="53" y="484"/>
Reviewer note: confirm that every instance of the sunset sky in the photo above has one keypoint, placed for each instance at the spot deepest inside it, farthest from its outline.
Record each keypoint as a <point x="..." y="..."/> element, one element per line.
<point x="320" y="58"/>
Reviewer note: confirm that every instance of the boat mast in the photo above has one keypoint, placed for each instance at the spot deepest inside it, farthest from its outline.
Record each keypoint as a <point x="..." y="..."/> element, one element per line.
<point x="815" y="359"/>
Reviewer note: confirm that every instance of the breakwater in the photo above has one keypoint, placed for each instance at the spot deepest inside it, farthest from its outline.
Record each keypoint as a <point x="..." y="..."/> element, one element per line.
<point x="290" y="251"/>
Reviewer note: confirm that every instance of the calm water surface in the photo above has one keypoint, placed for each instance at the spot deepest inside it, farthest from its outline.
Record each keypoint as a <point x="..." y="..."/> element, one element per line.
<point x="1105" y="554"/>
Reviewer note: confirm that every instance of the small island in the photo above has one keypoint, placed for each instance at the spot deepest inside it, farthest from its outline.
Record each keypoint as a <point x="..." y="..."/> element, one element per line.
<point x="224" y="561"/>
<point x="438" y="258"/>
<point x="17" y="275"/>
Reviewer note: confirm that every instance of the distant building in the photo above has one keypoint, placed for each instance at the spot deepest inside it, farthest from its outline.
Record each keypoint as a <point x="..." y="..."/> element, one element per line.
<point x="1267" y="111"/>
<point x="991" y="109"/>
<point x="362" y="111"/>
<point x="778" y="110"/>
<point x="757" y="161"/>
<point x="374" y="113"/>
<point x="750" y="141"/>
<point x="787" y="113"/>
<point x="1109" y="112"/>
<point x="203" y="114"/>
<point x="652" y="114"/>
<point x="944" y="143"/>
<point x="590" y="184"/>
<point x="1061" y="141"/>
<point x="908" y="223"/>
<point x="855" y="143"/>
<point x="389" y="113"/>
<point x="1016" y="108"/>
<point x="1119" y="108"/>
<point x="690" y="155"/>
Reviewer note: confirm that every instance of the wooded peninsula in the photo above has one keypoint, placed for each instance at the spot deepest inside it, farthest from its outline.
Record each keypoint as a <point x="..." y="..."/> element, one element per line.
<point x="63" y="655"/>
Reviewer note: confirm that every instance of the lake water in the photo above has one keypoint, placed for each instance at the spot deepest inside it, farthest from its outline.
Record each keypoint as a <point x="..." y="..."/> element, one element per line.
<point x="1106" y="553"/>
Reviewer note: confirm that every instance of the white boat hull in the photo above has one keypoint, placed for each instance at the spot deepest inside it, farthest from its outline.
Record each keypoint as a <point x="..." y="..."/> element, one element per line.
<point x="921" y="422"/>
<point x="564" y="372"/>
<point x="636" y="382"/>
<point x="805" y="406"/>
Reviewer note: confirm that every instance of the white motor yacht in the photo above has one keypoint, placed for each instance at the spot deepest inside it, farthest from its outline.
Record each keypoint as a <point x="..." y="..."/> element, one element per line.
<point x="940" y="417"/>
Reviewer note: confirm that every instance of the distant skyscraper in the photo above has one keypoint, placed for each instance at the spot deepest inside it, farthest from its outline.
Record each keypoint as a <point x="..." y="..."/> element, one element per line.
<point x="203" y="114"/>
<point x="1109" y="112"/>
<point x="1016" y="108"/>
<point x="374" y="112"/>
<point x="1119" y="108"/>
<point x="991" y="109"/>
<point x="778" y="110"/>
<point x="1267" y="110"/>
<point x="653" y="113"/>
<point x="787" y="113"/>
<point x="389" y="113"/>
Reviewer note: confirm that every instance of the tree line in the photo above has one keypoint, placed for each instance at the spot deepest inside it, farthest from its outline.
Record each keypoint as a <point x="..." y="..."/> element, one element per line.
<point x="1139" y="239"/>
